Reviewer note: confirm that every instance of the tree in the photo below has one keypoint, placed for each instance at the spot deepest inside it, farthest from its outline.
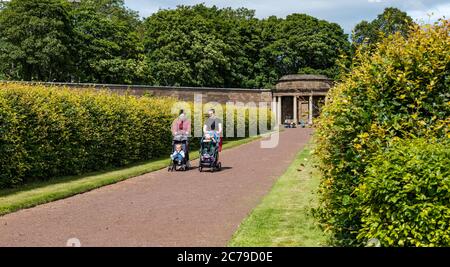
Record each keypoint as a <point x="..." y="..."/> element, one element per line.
<point x="198" y="46"/>
<point x="108" y="44"/>
<point x="35" y="40"/>
<point x="392" y="20"/>
<point x="266" y="74"/>
<point x="103" y="41"/>
<point x="302" y="44"/>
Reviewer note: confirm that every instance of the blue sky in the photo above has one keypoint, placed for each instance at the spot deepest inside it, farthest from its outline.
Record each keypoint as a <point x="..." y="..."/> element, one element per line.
<point x="345" y="12"/>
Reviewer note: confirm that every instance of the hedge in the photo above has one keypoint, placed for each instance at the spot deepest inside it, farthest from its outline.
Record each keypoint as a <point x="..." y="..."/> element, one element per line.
<point x="48" y="132"/>
<point x="405" y="197"/>
<point x="400" y="91"/>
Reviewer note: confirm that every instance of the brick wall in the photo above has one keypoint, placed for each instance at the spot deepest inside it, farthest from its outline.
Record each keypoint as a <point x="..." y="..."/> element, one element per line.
<point x="221" y="95"/>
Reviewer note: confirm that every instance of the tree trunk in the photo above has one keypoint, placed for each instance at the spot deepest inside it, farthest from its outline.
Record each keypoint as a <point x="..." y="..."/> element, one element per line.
<point x="26" y="72"/>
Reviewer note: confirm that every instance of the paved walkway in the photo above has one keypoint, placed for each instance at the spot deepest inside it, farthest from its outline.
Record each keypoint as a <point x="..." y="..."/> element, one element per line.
<point x="161" y="208"/>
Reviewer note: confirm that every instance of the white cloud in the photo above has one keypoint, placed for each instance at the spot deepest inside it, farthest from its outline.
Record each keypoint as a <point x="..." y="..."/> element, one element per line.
<point x="431" y="14"/>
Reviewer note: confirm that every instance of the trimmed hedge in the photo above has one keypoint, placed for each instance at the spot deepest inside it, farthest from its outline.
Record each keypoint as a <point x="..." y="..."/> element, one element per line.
<point x="400" y="91"/>
<point x="406" y="195"/>
<point x="47" y="132"/>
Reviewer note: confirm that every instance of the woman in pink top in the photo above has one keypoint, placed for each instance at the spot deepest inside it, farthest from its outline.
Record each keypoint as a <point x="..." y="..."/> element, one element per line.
<point x="181" y="130"/>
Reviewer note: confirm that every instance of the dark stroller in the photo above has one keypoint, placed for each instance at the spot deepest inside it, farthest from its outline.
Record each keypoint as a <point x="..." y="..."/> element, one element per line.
<point x="177" y="164"/>
<point x="209" y="154"/>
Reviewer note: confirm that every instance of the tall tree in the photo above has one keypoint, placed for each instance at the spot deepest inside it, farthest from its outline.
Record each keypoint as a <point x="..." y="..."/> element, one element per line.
<point x="392" y="20"/>
<point x="266" y="73"/>
<point x="35" y="40"/>
<point x="196" y="46"/>
<point x="303" y="44"/>
<point x="109" y="47"/>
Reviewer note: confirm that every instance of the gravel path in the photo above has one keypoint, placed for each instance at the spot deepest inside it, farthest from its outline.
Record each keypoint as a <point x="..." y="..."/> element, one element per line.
<point x="161" y="208"/>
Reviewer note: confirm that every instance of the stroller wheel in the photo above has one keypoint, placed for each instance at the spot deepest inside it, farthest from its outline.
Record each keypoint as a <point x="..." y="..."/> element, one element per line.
<point x="200" y="169"/>
<point x="219" y="166"/>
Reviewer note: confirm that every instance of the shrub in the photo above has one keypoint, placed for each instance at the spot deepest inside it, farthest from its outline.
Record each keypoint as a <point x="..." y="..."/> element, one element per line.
<point x="406" y="195"/>
<point x="399" y="91"/>
<point x="12" y="152"/>
<point x="48" y="132"/>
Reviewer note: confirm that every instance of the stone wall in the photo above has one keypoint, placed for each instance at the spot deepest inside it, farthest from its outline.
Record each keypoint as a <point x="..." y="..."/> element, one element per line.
<point x="220" y="95"/>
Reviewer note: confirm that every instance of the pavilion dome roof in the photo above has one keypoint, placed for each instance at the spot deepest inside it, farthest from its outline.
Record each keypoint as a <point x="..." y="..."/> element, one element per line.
<point x="303" y="83"/>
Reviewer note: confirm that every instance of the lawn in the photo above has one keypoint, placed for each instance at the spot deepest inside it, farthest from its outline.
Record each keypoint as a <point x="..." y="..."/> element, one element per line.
<point x="33" y="194"/>
<point x="284" y="217"/>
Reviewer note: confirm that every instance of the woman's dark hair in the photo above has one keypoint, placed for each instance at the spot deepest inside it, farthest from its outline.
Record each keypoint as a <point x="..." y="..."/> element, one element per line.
<point x="181" y="111"/>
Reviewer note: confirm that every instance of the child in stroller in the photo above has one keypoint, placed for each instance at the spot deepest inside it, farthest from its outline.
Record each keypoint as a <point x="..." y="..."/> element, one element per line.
<point x="209" y="152"/>
<point x="179" y="156"/>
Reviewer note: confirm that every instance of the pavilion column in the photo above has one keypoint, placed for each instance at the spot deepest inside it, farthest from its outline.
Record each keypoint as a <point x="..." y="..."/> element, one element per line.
<point x="295" y="109"/>
<point x="310" y="113"/>
<point x="274" y="108"/>
<point x="279" y="110"/>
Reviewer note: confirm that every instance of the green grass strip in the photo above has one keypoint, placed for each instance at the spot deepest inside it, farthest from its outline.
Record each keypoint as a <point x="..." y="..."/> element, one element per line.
<point x="37" y="193"/>
<point x="283" y="218"/>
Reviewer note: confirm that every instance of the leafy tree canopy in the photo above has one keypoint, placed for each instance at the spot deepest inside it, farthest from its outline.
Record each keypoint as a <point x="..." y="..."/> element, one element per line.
<point x="35" y="40"/>
<point x="392" y="20"/>
<point x="104" y="41"/>
<point x="109" y="47"/>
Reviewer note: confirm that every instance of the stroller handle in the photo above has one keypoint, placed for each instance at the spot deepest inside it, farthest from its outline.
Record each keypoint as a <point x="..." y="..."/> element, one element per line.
<point x="180" y="137"/>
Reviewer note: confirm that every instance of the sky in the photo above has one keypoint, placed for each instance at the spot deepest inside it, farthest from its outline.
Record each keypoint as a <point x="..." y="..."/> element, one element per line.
<point x="347" y="13"/>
